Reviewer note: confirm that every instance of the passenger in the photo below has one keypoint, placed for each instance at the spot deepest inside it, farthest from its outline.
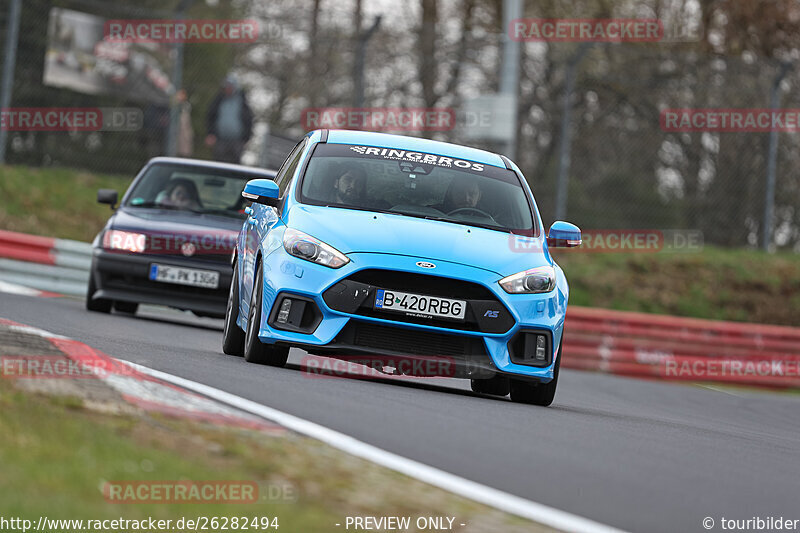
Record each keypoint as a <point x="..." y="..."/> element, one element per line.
<point x="461" y="194"/>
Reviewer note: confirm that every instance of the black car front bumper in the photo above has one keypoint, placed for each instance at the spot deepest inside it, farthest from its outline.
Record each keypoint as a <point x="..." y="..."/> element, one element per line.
<point x="125" y="277"/>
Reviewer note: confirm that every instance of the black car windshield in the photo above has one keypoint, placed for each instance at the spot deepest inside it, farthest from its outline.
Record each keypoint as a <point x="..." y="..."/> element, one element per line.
<point x="416" y="184"/>
<point x="188" y="188"/>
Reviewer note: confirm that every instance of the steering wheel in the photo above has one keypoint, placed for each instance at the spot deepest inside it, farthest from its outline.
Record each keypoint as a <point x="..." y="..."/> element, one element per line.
<point x="471" y="210"/>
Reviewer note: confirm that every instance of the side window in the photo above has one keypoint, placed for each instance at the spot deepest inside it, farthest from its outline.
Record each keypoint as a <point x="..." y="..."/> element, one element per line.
<point x="284" y="177"/>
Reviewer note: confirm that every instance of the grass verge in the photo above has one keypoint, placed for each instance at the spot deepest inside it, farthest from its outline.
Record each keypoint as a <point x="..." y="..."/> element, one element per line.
<point x="55" y="202"/>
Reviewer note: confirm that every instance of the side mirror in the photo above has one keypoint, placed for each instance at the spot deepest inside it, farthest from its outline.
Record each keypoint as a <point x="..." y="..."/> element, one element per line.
<point x="563" y="235"/>
<point x="107" y="196"/>
<point x="262" y="191"/>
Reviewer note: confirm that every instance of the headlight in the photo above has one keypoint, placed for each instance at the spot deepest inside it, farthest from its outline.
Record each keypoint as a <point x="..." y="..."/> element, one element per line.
<point x="124" y="240"/>
<point x="535" y="280"/>
<point x="306" y="247"/>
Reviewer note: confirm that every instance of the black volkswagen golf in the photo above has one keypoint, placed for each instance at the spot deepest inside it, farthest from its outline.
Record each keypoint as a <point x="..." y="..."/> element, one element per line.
<point x="171" y="239"/>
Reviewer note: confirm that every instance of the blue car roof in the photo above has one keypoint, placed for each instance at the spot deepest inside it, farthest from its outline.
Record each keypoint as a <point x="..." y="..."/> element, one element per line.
<point x="386" y="140"/>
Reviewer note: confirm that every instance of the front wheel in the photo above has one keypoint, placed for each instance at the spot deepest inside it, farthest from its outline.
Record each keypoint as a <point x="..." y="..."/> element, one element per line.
<point x="537" y="393"/>
<point x="232" y="335"/>
<point x="129" y="308"/>
<point x="97" y="305"/>
<point x="256" y="351"/>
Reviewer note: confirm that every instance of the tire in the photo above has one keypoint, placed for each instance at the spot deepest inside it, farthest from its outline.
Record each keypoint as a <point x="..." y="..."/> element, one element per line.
<point x="256" y="351"/>
<point x="496" y="386"/>
<point x="96" y="305"/>
<point x="537" y="393"/>
<point x="126" y="307"/>
<point x="232" y="335"/>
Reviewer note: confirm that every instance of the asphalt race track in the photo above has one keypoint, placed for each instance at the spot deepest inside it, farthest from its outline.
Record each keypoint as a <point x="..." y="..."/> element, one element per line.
<point x="638" y="455"/>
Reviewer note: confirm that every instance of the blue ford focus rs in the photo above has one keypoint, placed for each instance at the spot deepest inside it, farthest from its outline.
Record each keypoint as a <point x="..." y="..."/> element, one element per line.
<point x="427" y="256"/>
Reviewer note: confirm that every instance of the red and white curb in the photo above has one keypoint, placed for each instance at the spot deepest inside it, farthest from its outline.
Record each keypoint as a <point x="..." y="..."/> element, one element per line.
<point x="145" y="391"/>
<point x="21" y="290"/>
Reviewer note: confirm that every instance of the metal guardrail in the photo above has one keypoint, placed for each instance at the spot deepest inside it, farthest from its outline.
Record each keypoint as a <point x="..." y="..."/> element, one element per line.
<point x="44" y="263"/>
<point x="681" y="349"/>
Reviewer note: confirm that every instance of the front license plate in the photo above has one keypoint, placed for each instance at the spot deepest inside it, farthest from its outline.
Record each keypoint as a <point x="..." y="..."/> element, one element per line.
<point x="207" y="279"/>
<point x="420" y="305"/>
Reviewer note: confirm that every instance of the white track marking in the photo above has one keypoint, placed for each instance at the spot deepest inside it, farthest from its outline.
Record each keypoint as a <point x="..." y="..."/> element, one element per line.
<point x="13" y="288"/>
<point x="457" y="485"/>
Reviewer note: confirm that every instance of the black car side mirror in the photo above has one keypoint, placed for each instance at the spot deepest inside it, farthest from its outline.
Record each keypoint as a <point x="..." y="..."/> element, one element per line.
<point x="107" y="196"/>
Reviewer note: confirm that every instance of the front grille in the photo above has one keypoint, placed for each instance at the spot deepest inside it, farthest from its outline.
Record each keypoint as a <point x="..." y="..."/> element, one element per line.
<point x="356" y="295"/>
<point x="126" y="282"/>
<point x="407" y="341"/>
<point x="423" y="284"/>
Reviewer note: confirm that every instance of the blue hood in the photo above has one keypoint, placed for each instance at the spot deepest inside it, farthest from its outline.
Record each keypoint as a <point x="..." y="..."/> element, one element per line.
<point x="351" y="231"/>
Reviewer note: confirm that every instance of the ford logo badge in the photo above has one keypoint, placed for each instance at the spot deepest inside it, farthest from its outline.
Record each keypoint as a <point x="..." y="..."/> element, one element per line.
<point x="425" y="264"/>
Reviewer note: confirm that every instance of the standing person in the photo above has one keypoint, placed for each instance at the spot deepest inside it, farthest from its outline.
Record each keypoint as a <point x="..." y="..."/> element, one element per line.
<point x="229" y="122"/>
<point x="185" y="131"/>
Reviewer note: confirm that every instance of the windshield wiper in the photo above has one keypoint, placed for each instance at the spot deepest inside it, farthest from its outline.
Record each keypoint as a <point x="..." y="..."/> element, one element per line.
<point x="463" y="223"/>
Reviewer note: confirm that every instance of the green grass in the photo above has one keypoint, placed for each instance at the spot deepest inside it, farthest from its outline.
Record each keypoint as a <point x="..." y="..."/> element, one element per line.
<point x="55" y="456"/>
<point x="55" y="202"/>
<point x="729" y="284"/>
<point x="717" y="283"/>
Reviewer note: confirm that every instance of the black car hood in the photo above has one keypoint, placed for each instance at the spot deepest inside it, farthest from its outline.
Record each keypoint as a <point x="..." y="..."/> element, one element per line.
<point x="168" y="230"/>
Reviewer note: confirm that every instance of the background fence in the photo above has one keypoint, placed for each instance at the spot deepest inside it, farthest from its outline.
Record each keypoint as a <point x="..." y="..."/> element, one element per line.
<point x="624" y="170"/>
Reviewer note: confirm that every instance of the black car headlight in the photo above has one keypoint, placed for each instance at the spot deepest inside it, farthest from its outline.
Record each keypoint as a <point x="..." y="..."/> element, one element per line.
<point x="532" y="281"/>
<point x="306" y="247"/>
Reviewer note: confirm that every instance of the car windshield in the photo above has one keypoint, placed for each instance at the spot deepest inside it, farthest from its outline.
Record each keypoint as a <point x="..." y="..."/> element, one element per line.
<point x="416" y="184"/>
<point x="187" y="188"/>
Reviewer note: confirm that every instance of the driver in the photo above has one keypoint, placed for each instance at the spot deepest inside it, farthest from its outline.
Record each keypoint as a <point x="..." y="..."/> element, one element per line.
<point x="350" y="185"/>
<point x="461" y="194"/>
<point x="180" y="193"/>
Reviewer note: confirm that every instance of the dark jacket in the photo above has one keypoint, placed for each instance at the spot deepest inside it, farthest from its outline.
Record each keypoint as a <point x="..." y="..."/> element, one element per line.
<point x="247" y="115"/>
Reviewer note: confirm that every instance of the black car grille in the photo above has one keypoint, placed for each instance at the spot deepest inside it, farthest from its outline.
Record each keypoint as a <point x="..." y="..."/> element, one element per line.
<point x="356" y="295"/>
<point x="411" y="342"/>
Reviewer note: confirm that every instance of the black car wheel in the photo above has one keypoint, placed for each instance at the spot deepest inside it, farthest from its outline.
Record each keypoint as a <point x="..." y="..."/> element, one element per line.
<point x="254" y="350"/>
<point x="98" y="305"/>
<point x="537" y="393"/>
<point x="126" y="307"/>
<point x="232" y="335"/>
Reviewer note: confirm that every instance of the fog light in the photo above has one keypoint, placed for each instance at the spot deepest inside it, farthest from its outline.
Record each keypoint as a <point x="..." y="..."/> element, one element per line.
<point x="283" y="314"/>
<point x="540" y="345"/>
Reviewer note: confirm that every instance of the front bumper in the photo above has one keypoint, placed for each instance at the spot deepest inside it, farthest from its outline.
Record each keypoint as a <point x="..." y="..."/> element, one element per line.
<point x="125" y="277"/>
<point x="481" y="349"/>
